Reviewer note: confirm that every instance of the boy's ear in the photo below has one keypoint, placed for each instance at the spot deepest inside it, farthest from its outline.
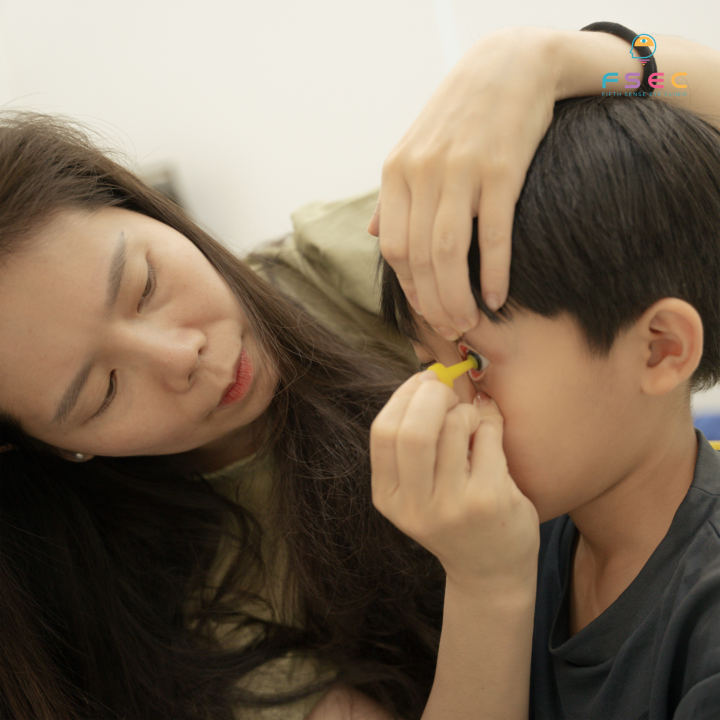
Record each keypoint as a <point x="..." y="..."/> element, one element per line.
<point x="672" y="334"/>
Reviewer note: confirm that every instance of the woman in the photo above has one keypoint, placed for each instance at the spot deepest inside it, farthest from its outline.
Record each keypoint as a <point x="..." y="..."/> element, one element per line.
<point x="132" y="587"/>
<point x="201" y="360"/>
<point x="137" y="355"/>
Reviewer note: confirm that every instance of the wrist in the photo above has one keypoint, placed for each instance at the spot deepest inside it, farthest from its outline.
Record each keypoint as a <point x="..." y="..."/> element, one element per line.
<point x="508" y="595"/>
<point x="583" y="58"/>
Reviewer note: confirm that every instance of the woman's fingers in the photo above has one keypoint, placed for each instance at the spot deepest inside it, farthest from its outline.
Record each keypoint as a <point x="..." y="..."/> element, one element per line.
<point x="495" y="220"/>
<point x="466" y="155"/>
<point x="422" y="212"/>
<point x="450" y="243"/>
<point x="393" y="229"/>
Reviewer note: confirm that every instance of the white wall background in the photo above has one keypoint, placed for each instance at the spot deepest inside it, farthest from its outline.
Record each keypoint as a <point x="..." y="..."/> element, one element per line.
<point x="263" y="105"/>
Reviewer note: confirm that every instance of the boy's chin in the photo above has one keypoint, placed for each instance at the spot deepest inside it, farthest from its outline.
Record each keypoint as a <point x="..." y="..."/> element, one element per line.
<point x="535" y="489"/>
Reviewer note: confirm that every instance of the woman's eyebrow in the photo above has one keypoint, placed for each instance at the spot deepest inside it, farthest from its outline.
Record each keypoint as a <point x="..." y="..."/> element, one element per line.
<point x="70" y="398"/>
<point x="115" y="274"/>
<point x="117" y="267"/>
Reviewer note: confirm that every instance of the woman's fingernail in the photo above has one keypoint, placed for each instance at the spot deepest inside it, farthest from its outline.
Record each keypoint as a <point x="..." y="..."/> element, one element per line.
<point x="493" y="301"/>
<point x="448" y="333"/>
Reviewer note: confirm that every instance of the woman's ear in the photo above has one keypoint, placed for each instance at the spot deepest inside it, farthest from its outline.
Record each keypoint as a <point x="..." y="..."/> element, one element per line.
<point x="672" y="334"/>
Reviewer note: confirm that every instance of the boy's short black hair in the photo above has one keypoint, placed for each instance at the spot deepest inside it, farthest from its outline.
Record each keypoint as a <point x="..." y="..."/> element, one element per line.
<point x="620" y="208"/>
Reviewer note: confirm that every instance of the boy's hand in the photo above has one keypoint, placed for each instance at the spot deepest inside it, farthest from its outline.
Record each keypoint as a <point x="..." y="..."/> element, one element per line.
<point x="462" y="506"/>
<point x="466" y="155"/>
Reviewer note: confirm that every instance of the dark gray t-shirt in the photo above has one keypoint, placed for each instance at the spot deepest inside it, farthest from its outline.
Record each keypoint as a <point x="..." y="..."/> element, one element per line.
<point x="655" y="652"/>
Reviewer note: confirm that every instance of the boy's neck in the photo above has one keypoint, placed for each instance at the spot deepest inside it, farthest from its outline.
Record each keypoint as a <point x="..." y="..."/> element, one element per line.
<point x="620" y="529"/>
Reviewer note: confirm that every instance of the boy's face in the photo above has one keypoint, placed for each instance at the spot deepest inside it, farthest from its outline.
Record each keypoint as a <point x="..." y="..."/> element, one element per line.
<point x="572" y="419"/>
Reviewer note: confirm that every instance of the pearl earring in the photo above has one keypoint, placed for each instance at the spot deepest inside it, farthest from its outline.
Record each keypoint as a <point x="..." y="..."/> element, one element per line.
<point x="79" y="457"/>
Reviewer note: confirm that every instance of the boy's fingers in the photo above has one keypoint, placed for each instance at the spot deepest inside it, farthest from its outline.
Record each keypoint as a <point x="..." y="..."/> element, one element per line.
<point x="389" y="418"/>
<point x="487" y="459"/>
<point x="383" y="439"/>
<point x="452" y="232"/>
<point x="495" y="219"/>
<point x="452" y="465"/>
<point x="419" y="435"/>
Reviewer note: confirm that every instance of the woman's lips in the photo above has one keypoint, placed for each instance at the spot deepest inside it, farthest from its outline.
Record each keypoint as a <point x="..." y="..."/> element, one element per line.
<point x="243" y="380"/>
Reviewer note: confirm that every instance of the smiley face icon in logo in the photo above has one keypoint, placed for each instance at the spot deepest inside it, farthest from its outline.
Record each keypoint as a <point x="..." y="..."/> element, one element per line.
<point x="642" y="41"/>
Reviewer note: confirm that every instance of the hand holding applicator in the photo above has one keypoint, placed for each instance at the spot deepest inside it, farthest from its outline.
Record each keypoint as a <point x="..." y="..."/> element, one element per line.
<point x="448" y="374"/>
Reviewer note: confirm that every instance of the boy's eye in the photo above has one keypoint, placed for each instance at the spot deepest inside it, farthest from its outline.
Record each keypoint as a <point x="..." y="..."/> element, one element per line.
<point x="482" y="362"/>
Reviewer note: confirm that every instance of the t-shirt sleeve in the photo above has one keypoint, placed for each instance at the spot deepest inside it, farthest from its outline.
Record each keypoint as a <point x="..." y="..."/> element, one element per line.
<point x="702" y="702"/>
<point x="690" y="651"/>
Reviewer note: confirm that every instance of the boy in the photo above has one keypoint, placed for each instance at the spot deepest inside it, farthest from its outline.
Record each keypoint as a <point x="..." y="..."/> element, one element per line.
<point x="613" y="319"/>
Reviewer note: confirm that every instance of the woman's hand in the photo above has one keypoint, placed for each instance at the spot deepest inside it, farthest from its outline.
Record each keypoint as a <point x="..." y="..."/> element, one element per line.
<point x="461" y="505"/>
<point x="469" y="150"/>
<point x="466" y="155"/>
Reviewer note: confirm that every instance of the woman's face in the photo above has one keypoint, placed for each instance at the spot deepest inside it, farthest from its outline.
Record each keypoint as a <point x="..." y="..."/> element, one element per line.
<point x="120" y="338"/>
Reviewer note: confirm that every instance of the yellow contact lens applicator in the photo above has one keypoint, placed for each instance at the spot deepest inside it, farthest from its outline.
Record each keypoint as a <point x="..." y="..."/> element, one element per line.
<point x="448" y="374"/>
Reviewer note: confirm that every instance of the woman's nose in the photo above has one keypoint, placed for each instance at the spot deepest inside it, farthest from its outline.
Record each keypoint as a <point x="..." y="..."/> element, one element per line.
<point x="173" y="355"/>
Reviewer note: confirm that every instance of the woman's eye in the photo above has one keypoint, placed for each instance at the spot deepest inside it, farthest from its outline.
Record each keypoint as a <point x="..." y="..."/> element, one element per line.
<point x="109" y="397"/>
<point x="149" y="286"/>
<point x="425" y="365"/>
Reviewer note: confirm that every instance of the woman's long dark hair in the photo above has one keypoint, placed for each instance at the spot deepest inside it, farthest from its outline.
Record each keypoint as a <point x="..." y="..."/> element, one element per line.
<point x="105" y="609"/>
